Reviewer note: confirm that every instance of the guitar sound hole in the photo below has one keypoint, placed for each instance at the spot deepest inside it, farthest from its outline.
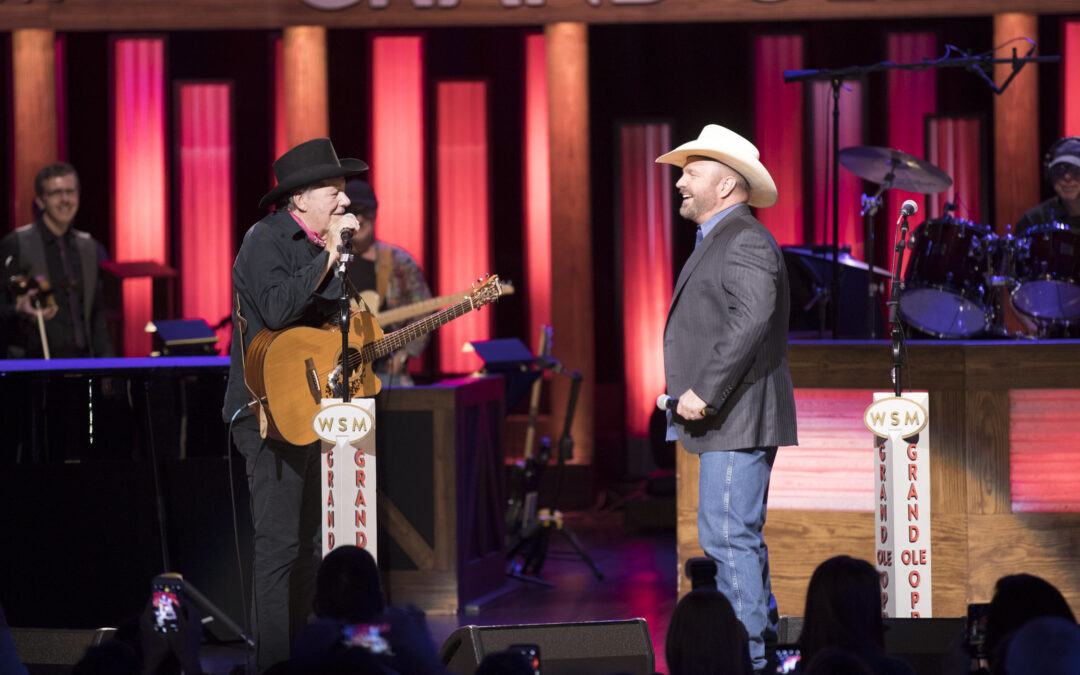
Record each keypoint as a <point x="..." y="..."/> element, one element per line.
<point x="358" y="369"/>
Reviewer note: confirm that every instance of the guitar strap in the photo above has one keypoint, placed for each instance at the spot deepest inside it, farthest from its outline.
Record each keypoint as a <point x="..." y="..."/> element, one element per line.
<point x="382" y="272"/>
<point x="241" y="324"/>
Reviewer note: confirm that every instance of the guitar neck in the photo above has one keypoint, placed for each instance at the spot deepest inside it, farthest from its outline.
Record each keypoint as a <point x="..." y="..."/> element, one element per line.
<point x="399" y="338"/>
<point x="416" y="309"/>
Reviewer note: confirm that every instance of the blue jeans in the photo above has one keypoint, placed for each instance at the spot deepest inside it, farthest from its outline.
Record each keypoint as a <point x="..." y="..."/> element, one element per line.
<point x="733" y="491"/>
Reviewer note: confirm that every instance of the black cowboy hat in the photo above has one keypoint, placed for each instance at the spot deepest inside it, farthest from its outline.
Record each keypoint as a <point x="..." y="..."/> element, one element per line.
<point x="310" y="162"/>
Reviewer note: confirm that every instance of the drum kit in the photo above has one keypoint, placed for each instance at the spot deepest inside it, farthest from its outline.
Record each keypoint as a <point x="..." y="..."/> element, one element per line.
<point x="961" y="274"/>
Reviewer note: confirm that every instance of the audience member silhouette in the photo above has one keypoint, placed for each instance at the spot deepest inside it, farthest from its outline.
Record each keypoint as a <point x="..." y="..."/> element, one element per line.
<point x="705" y="638"/>
<point x="114" y="657"/>
<point x="1048" y="645"/>
<point x="354" y="630"/>
<point x="136" y="647"/>
<point x="1019" y="598"/>
<point x="843" y="610"/>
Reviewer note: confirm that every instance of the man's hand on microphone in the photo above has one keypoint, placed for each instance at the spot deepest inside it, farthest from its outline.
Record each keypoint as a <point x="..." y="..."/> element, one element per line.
<point x="339" y="224"/>
<point x="691" y="406"/>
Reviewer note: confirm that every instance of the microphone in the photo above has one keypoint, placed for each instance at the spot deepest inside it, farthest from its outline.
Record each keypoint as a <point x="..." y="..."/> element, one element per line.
<point x="665" y="402"/>
<point x="346" y="234"/>
<point x="908" y="208"/>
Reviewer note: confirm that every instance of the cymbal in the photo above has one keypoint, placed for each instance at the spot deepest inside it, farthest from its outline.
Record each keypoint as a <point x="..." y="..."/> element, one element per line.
<point x="908" y="173"/>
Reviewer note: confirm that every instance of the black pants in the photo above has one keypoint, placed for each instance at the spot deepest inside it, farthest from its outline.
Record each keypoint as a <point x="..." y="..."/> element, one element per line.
<point x="285" y="507"/>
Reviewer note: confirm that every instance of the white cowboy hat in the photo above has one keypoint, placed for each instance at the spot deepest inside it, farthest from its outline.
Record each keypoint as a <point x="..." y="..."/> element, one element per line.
<point x="724" y="145"/>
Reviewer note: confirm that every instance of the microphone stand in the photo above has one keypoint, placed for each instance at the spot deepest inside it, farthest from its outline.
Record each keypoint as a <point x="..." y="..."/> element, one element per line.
<point x="896" y="329"/>
<point x="344" y="310"/>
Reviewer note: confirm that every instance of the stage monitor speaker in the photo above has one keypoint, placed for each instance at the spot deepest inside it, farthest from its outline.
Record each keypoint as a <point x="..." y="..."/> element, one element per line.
<point x="924" y="643"/>
<point x="48" y="650"/>
<point x="584" y="648"/>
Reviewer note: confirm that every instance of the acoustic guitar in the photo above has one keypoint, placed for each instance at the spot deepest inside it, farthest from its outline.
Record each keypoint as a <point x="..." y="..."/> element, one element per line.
<point x="290" y="371"/>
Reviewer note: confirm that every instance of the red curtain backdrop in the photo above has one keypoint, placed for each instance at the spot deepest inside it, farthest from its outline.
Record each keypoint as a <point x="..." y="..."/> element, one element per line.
<point x="912" y="95"/>
<point x="645" y="230"/>
<point x="463" y="195"/>
<point x="778" y="132"/>
<point x="139" y="177"/>
<point x="1043" y="471"/>
<point x="1070" y="78"/>
<point x="952" y="144"/>
<point x="397" y="141"/>
<point x="537" y="186"/>
<point x="851" y="133"/>
<point x="206" y="202"/>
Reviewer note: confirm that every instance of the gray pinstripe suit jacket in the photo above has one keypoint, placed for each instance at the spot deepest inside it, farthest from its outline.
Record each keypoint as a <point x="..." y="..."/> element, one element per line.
<point x="726" y="338"/>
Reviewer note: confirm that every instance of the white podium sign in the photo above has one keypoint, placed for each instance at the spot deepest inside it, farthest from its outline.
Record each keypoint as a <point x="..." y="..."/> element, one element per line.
<point x="348" y="473"/>
<point x="902" y="486"/>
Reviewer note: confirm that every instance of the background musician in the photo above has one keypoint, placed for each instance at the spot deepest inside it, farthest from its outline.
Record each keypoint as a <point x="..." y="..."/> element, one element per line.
<point x="390" y="272"/>
<point x="66" y="258"/>
<point x="1062" y="165"/>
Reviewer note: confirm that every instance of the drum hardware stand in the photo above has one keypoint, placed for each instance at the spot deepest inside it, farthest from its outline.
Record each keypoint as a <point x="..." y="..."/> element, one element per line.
<point x="534" y="545"/>
<point x="870" y="206"/>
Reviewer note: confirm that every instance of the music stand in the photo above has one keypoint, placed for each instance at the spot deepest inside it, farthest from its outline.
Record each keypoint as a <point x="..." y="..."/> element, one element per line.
<point x="510" y="358"/>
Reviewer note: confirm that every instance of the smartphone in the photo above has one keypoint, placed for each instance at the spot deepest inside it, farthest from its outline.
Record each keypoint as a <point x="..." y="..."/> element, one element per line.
<point x="975" y="629"/>
<point x="532" y="653"/>
<point x="366" y="635"/>
<point x="787" y="658"/>
<point x="168" y="594"/>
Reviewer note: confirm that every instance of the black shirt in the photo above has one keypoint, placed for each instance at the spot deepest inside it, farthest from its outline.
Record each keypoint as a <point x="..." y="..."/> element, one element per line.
<point x="275" y="277"/>
<point x="1051" y="211"/>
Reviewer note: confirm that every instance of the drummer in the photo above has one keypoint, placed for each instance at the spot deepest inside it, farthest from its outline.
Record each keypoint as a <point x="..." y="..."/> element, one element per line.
<point x="1062" y="166"/>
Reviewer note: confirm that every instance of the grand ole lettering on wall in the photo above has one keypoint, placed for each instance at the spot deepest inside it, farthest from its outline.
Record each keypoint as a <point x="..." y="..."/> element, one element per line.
<point x="902" y="485"/>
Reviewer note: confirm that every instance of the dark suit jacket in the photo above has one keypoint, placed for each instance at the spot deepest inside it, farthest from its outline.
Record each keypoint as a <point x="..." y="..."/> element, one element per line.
<point x="726" y="339"/>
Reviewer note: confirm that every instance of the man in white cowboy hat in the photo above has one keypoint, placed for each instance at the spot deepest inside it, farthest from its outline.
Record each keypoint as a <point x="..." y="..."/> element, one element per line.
<point x="282" y="277"/>
<point x="725" y="360"/>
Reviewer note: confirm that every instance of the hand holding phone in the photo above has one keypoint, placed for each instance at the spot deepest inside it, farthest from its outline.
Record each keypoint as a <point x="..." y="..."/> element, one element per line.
<point x="787" y="659"/>
<point x="167" y="597"/>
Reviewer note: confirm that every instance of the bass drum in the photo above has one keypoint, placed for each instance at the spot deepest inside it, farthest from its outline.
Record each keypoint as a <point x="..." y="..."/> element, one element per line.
<point x="945" y="292"/>
<point x="1048" y="274"/>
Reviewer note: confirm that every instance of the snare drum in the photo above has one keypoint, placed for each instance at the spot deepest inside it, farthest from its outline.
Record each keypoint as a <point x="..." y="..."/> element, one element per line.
<point x="1048" y="274"/>
<point x="945" y="292"/>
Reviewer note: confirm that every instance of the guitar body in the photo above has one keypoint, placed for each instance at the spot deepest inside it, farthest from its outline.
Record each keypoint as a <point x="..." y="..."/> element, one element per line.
<point x="295" y="369"/>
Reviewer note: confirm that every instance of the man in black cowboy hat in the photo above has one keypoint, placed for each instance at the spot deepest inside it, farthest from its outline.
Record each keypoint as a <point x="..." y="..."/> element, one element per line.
<point x="282" y="277"/>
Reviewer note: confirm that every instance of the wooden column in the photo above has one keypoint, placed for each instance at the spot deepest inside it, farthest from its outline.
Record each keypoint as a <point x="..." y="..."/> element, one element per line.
<point x="571" y="229"/>
<point x="1017" y="173"/>
<point x="306" y="113"/>
<point x="34" y="91"/>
